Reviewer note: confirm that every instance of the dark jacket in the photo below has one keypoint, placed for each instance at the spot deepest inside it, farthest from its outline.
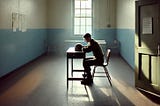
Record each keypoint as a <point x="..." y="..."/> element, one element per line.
<point x="96" y="49"/>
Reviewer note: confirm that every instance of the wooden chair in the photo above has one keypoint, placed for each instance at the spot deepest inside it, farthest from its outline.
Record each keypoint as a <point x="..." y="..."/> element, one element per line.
<point x="104" y="65"/>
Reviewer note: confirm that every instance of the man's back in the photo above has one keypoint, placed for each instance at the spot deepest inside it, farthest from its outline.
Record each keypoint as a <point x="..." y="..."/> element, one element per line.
<point x="96" y="49"/>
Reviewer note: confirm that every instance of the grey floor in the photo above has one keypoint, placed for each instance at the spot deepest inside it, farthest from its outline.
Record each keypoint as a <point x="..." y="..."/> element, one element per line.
<point x="43" y="83"/>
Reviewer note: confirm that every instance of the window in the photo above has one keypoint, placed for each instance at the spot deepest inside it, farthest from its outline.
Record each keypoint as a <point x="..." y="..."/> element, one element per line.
<point x="82" y="17"/>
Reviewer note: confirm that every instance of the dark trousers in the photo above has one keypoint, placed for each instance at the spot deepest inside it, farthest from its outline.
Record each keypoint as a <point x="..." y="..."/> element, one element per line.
<point x="87" y="62"/>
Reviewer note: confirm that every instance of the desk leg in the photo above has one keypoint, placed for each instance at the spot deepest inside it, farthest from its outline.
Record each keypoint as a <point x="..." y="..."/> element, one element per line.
<point x="67" y="73"/>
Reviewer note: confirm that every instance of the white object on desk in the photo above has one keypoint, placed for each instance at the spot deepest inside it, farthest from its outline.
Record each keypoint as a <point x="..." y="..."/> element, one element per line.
<point x="102" y="42"/>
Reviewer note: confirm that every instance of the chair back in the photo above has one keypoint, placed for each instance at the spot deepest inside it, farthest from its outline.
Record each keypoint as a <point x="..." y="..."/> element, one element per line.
<point x="108" y="54"/>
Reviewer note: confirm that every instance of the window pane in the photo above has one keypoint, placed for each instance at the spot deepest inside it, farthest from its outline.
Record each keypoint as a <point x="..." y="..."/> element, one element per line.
<point x="77" y="3"/>
<point x="77" y="12"/>
<point x="83" y="13"/>
<point x="88" y="21"/>
<point x="89" y="29"/>
<point x="83" y="21"/>
<point x="83" y="29"/>
<point x="77" y="21"/>
<point x="76" y="29"/>
<point x="83" y="4"/>
<point x="88" y="13"/>
<point x="89" y="4"/>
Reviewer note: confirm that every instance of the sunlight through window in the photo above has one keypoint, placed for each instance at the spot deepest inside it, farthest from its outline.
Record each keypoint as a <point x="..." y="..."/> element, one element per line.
<point x="82" y="17"/>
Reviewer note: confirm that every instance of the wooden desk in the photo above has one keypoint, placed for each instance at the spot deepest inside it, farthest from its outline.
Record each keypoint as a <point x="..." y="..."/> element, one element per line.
<point x="72" y="54"/>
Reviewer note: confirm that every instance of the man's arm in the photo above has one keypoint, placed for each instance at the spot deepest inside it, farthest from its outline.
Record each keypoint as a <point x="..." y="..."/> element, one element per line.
<point x="87" y="48"/>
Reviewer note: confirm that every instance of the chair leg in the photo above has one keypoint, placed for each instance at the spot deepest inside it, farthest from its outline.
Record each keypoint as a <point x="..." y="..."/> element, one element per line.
<point x="108" y="76"/>
<point x="94" y="69"/>
<point x="107" y="73"/>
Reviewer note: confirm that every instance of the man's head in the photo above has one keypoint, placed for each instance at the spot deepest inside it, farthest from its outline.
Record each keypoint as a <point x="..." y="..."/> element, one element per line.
<point x="87" y="37"/>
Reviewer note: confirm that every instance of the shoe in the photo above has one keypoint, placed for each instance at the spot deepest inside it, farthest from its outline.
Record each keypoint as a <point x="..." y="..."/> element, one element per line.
<point x="87" y="81"/>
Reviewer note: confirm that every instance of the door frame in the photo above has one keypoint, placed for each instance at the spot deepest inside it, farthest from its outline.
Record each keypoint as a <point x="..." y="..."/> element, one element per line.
<point x="138" y="56"/>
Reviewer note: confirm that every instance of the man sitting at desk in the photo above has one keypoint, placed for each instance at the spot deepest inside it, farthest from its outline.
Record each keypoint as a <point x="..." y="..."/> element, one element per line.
<point x="94" y="47"/>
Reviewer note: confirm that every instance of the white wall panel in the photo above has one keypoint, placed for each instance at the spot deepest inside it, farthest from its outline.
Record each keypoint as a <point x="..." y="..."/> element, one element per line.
<point x="126" y="14"/>
<point x="60" y="13"/>
<point x="35" y="11"/>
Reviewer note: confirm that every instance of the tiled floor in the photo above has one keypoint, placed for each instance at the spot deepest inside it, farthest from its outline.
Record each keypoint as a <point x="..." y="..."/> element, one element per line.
<point x="43" y="83"/>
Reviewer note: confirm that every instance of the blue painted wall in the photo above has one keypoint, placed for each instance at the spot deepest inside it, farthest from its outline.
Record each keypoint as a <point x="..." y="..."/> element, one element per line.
<point x="109" y="35"/>
<point x="56" y="38"/>
<point x="126" y="38"/>
<point x="18" y="48"/>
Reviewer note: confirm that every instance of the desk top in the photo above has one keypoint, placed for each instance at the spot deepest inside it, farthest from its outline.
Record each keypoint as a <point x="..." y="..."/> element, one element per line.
<point x="71" y="53"/>
<point x="72" y="50"/>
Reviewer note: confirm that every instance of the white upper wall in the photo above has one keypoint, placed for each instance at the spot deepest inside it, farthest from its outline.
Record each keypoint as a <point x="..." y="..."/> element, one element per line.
<point x="35" y="11"/>
<point x="6" y="9"/>
<point x="55" y="13"/>
<point x="60" y="13"/>
<point x="104" y="13"/>
<point x="126" y="14"/>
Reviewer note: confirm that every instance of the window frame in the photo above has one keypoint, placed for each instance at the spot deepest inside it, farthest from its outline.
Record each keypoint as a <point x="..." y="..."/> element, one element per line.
<point x="82" y="17"/>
